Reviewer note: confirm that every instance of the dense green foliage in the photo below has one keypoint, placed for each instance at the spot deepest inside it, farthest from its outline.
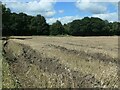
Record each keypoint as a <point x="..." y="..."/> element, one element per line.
<point x="23" y="24"/>
<point x="6" y="20"/>
<point x="93" y="27"/>
<point x="56" y="28"/>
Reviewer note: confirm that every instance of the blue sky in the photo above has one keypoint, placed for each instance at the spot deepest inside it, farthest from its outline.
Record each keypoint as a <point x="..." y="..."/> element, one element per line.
<point x="64" y="11"/>
<point x="69" y="9"/>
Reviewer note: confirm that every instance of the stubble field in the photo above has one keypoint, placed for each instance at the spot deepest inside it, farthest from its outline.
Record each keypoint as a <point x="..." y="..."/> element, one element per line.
<point x="66" y="62"/>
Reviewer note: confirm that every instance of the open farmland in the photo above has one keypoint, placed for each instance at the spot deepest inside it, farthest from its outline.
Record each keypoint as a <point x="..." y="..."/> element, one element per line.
<point x="66" y="62"/>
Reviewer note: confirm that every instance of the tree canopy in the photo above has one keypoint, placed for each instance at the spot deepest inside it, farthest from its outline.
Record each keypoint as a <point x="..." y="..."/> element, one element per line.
<point x="23" y="24"/>
<point x="56" y="28"/>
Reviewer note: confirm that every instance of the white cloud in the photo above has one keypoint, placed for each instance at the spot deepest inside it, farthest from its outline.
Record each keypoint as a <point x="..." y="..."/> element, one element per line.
<point x="35" y="7"/>
<point x="61" y="11"/>
<point x="98" y="9"/>
<point x="3" y="1"/>
<point x="49" y="13"/>
<point x="46" y="8"/>
<point x="92" y="7"/>
<point x="109" y="16"/>
<point x="63" y="20"/>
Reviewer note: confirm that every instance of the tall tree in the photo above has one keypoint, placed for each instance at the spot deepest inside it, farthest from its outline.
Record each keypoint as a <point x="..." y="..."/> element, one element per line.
<point x="6" y="12"/>
<point x="56" y="28"/>
<point x="39" y="26"/>
<point x="75" y="28"/>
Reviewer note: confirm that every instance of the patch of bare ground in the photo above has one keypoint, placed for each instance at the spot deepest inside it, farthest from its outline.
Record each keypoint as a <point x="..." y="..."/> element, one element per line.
<point x="65" y="62"/>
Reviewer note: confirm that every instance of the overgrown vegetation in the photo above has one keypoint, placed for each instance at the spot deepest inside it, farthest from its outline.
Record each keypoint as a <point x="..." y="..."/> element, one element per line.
<point x="23" y="24"/>
<point x="8" y="81"/>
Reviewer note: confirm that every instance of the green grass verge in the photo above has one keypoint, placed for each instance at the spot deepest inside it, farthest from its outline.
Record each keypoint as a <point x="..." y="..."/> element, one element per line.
<point x="8" y="81"/>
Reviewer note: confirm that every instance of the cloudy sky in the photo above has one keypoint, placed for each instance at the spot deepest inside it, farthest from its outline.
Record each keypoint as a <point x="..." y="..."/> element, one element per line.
<point x="65" y="11"/>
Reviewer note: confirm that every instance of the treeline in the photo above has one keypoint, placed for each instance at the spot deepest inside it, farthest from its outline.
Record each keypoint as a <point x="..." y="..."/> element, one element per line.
<point x="23" y="24"/>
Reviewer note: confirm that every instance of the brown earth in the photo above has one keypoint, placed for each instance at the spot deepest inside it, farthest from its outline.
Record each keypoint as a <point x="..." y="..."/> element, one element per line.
<point x="63" y="62"/>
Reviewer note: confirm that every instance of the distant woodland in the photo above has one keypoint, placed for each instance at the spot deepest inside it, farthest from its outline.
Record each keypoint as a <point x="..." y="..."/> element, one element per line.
<point x="21" y="24"/>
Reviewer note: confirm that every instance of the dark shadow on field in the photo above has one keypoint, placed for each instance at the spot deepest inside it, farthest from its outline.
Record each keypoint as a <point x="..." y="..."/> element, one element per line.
<point x="21" y="38"/>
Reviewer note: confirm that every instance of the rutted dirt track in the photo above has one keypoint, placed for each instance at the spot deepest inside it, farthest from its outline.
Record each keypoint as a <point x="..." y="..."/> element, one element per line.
<point x="66" y="62"/>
